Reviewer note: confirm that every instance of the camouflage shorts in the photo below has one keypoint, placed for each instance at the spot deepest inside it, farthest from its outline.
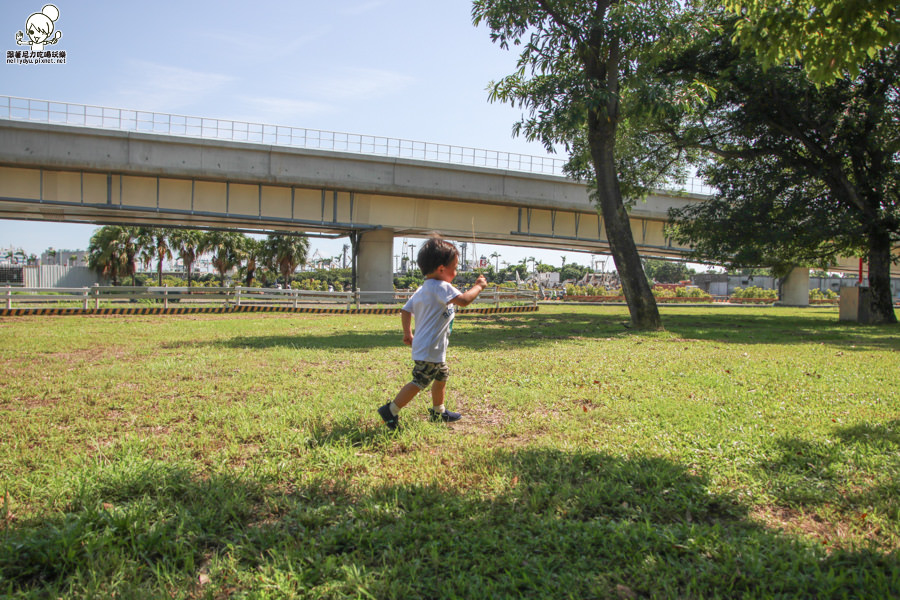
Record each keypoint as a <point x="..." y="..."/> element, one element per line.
<point x="426" y="372"/>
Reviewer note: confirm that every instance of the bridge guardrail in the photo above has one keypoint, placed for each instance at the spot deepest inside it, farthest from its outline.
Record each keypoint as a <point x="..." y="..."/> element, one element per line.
<point x="67" y="113"/>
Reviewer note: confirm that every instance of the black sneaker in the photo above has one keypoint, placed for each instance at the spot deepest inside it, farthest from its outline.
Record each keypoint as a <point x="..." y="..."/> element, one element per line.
<point x="391" y="420"/>
<point x="446" y="416"/>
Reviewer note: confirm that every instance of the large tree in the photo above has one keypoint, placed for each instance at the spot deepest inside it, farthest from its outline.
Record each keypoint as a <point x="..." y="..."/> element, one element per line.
<point x="581" y="62"/>
<point x="803" y="174"/>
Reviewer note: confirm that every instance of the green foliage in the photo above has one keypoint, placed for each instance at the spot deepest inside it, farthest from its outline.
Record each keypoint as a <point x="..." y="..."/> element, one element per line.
<point x="113" y="250"/>
<point x="803" y="175"/>
<point x="573" y="271"/>
<point x="189" y="245"/>
<point x="284" y="253"/>
<point x="412" y="280"/>
<point x="830" y="39"/>
<point x="339" y="279"/>
<point x="154" y="245"/>
<point x="817" y="294"/>
<point x="591" y="290"/>
<point x="680" y="292"/>
<point x="666" y="271"/>
<point x="753" y="292"/>
<point x="226" y="248"/>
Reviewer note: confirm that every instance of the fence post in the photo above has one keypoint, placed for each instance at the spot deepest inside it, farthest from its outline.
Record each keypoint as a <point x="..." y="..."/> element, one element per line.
<point x="497" y="296"/>
<point x="84" y="302"/>
<point x="349" y="296"/>
<point x="237" y="295"/>
<point x="294" y="294"/>
<point x="166" y="296"/>
<point x="8" y="298"/>
<point x="357" y="298"/>
<point x="96" y="296"/>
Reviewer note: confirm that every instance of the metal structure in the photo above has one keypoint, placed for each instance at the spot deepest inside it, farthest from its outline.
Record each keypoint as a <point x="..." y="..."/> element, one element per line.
<point x="120" y="119"/>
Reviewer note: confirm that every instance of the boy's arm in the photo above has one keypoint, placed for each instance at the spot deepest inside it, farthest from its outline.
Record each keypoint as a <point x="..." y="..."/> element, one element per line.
<point x="406" y="321"/>
<point x="469" y="295"/>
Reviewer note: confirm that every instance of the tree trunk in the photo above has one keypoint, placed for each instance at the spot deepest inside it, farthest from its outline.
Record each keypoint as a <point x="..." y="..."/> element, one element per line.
<point x="638" y="296"/>
<point x="881" y="305"/>
<point x="159" y="271"/>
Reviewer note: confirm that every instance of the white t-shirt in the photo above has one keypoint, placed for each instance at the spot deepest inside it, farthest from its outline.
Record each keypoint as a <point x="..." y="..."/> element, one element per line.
<point x="433" y="314"/>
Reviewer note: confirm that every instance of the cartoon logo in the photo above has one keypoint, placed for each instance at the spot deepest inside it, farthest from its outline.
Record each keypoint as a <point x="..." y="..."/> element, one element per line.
<point x="40" y="29"/>
<point x="40" y="32"/>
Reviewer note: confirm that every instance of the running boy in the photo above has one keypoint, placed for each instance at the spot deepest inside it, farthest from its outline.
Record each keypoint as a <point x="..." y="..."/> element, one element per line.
<point x="433" y="306"/>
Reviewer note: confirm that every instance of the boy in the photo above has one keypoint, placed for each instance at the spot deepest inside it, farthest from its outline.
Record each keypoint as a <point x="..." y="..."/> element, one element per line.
<point x="433" y="306"/>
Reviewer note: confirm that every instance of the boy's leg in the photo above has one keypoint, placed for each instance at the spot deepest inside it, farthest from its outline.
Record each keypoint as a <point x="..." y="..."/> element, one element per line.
<point x="406" y="393"/>
<point x="390" y="411"/>
<point x="437" y="411"/>
<point x="437" y="393"/>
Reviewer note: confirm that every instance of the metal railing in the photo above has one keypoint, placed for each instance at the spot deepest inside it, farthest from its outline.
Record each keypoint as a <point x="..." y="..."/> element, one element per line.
<point x="67" y="113"/>
<point x="120" y="119"/>
<point x="91" y="298"/>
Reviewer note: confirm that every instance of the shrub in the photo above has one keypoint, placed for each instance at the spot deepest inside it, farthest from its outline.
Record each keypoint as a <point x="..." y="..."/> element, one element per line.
<point x="753" y="292"/>
<point x="817" y="294"/>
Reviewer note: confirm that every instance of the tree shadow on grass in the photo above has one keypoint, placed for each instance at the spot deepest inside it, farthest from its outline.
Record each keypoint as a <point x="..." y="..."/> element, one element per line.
<point x="505" y="523"/>
<point x="855" y="471"/>
<point x="536" y="329"/>
<point x="767" y="327"/>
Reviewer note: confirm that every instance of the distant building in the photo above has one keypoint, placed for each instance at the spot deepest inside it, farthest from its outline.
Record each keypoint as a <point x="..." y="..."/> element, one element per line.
<point x="65" y="258"/>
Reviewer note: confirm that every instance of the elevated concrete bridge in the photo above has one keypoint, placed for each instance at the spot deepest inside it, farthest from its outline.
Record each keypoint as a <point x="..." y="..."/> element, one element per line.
<point x="78" y="174"/>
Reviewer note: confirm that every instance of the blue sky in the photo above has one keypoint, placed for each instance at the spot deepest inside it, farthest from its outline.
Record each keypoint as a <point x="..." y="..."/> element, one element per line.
<point x="409" y="69"/>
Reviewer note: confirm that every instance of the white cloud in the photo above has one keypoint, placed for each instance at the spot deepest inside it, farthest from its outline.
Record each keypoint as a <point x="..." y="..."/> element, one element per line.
<point x="280" y="111"/>
<point x="361" y="84"/>
<point x="154" y="87"/>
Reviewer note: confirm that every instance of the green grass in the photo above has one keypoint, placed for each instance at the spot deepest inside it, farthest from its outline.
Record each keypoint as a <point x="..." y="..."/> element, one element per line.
<point x="744" y="452"/>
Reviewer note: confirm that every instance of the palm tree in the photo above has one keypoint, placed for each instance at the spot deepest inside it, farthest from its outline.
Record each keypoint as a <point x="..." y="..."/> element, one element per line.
<point x="155" y="246"/>
<point x="130" y="240"/>
<point x="106" y="252"/>
<point x="496" y="257"/>
<point x="251" y="250"/>
<point x="285" y="253"/>
<point x="226" y="250"/>
<point x="189" y="244"/>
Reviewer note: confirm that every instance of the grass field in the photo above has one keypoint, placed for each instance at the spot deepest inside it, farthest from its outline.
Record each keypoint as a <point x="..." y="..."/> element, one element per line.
<point x="744" y="452"/>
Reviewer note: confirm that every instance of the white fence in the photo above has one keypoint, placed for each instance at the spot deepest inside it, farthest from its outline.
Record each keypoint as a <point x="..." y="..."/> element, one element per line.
<point x="92" y="297"/>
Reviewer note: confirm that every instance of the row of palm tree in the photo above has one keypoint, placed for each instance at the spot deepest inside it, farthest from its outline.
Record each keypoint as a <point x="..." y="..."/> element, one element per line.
<point x="114" y="251"/>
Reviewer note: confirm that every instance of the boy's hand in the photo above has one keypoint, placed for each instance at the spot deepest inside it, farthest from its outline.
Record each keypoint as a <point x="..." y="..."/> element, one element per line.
<point x="407" y="339"/>
<point x="481" y="281"/>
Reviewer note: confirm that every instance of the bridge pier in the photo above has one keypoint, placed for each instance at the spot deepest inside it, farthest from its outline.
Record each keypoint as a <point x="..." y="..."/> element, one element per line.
<point x="375" y="265"/>
<point x="795" y="288"/>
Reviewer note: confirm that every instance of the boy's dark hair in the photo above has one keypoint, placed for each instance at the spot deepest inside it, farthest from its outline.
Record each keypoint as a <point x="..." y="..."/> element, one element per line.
<point x="436" y="252"/>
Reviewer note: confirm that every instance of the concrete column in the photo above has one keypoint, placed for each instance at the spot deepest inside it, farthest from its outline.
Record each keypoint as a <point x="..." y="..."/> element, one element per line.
<point x="795" y="289"/>
<point x="375" y="265"/>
